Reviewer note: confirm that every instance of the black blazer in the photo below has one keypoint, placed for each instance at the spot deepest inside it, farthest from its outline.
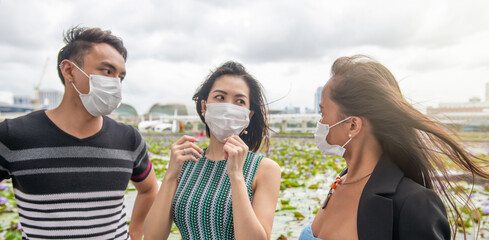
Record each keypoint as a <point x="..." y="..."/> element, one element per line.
<point x="395" y="207"/>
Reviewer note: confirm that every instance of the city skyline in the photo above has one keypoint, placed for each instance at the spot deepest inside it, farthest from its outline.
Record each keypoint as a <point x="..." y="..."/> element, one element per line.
<point x="50" y="98"/>
<point x="436" y="49"/>
<point x="54" y="97"/>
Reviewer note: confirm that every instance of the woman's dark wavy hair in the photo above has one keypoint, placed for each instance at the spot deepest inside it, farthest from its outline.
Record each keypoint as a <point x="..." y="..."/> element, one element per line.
<point x="258" y="128"/>
<point x="79" y="41"/>
<point x="417" y="144"/>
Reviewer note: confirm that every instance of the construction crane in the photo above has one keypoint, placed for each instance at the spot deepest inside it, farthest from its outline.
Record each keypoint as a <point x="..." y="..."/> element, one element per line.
<point x="36" y="87"/>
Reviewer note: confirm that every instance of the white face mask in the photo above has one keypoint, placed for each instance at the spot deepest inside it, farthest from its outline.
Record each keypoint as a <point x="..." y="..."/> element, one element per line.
<point x="322" y="131"/>
<point x="105" y="94"/>
<point x="226" y="119"/>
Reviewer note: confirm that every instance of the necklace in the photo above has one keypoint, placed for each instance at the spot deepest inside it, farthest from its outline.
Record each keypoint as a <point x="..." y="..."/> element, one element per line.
<point x="339" y="181"/>
<point x="358" y="180"/>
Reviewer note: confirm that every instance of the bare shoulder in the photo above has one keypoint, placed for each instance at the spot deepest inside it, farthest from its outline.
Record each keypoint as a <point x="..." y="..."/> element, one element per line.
<point x="267" y="165"/>
<point x="267" y="171"/>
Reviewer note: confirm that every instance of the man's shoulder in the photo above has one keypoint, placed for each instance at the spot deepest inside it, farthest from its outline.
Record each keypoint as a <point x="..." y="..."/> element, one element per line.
<point x="33" y="119"/>
<point x="14" y="133"/>
<point x="29" y="117"/>
<point x="118" y="127"/>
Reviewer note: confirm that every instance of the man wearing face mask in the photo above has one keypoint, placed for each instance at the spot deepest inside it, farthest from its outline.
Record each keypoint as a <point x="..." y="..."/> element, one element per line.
<point x="70" y="166"/>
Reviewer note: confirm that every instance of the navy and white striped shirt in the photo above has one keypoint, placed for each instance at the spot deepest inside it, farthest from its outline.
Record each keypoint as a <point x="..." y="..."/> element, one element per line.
<point x="70" y="188"/>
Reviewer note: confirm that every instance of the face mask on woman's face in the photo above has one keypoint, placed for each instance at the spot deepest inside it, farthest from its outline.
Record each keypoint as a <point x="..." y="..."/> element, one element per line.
<point x="104" y="96"/>
<point x="226" y="119"/>
<point x="322" y="131"/>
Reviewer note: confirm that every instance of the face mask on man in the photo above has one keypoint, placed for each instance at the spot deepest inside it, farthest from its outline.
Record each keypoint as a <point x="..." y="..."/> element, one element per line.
<point x="104" y="96"/>
<point x="226" y="119"/>
<point x="322" y="131"/>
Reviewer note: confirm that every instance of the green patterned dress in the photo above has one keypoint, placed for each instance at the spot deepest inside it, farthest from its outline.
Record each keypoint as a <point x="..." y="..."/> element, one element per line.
<point x="202" y="206"/>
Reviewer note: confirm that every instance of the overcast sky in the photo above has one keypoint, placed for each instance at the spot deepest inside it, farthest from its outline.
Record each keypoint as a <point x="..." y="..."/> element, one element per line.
<point x="438" y="50"/>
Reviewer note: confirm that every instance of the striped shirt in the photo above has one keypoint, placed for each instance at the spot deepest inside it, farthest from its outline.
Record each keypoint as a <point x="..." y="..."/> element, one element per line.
<point x="70" y="188"/>
<point x="202" y="205"/>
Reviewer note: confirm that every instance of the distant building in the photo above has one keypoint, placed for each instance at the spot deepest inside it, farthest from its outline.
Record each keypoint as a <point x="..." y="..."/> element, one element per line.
<point x="125" y="113"/>
<point x="317" y="99"/>
<point x="22" y="100"/>
<point x="125" y="110"/>
<point x="275" y="111"/>
<point x="49" y="99"/>
<point x="172" y="108"/>
<point x="12" y="108"/>
<point x="292" y="110"/>
<point x="465" y="116"/>
<point x="10" y="104"/>
<point x="309" y="111"/>
<point x="171" y="116"/>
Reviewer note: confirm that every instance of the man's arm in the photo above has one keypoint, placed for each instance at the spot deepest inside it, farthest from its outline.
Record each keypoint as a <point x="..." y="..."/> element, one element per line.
<point x="147" y="190"/>
<point x="4" y="151"/>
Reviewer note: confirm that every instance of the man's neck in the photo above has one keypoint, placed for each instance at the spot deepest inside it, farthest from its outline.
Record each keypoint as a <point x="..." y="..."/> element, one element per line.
<point x="73" y="118"/>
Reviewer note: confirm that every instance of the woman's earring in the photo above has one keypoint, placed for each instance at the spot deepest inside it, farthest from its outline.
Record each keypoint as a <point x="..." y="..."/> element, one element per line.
<point x="244" y="132"/>
<point x="349" y="135"/>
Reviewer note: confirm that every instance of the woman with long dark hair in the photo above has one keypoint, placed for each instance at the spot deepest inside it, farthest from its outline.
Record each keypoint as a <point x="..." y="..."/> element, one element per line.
<point x="396" y="160"/>
<point x="196" y="190"/>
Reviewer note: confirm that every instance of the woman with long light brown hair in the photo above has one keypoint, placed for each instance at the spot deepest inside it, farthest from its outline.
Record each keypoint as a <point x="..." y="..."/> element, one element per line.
<point x="396" y="175"/>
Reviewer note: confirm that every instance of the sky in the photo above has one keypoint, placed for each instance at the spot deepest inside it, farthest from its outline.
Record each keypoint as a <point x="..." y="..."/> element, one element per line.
<point x="437" y="50"/>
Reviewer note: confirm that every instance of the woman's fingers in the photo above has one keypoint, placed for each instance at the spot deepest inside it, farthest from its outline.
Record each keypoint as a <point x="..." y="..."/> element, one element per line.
<point x="185" y="138"/>
<point x="192" y="148"/>
<point x="234" y="152"/>
<point x="230" y="150"/>
<point x="191" y="151"/>
<point x="238" y="139"/>
<point x="233" y="141"/>
<point x="185" y="149"/>
<point x="237" y="142"/>
<point x="189" y="157"/>
<point x="187" y="145"/>
<point x="185" y="155"/>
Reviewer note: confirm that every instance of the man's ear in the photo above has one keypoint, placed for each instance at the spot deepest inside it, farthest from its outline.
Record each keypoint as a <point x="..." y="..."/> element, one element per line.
<point x="67" y="70"/>
<point x="203" y="107"/>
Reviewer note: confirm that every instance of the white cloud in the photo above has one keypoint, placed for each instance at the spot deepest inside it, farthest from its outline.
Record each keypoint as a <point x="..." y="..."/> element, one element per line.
<point x="437" y="49"/>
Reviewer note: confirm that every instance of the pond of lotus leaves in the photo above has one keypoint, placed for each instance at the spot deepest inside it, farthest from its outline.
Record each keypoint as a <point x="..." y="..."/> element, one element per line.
<point x="306" y="176"/>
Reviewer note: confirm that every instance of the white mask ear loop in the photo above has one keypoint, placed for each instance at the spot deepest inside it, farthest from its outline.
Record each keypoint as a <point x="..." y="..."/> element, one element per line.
<point x="340" y="121"/>
<point x="347" y="141"/>
<point x="348" y="134"/>
<point x="80" y="71"/>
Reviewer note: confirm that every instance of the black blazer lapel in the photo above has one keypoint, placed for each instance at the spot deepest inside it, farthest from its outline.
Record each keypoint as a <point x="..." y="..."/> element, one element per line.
<point x="376" y="211"/>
